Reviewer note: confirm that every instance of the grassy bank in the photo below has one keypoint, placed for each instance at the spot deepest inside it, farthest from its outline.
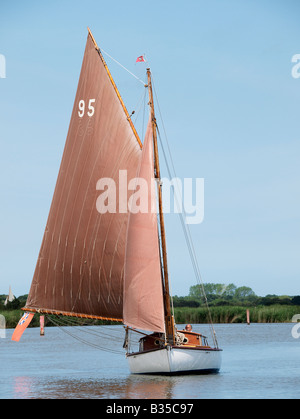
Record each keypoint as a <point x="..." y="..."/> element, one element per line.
<point x="235" y="314"/>
<point x="11" y="317"/>
<point x="222" y="314"/>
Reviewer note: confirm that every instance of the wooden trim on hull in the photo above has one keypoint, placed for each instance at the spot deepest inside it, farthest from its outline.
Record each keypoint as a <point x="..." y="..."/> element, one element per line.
<point x="199" y="348"/>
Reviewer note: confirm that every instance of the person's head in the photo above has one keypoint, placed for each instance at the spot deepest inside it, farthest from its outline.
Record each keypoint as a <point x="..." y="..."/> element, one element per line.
<point x="188" y="327"/>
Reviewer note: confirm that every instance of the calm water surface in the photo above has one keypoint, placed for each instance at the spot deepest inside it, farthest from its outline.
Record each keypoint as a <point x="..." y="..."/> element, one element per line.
<point x="259" y="361"/>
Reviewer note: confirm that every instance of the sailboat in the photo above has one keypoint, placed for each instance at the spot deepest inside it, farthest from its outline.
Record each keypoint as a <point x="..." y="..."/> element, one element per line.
<point x="98" y="260"/>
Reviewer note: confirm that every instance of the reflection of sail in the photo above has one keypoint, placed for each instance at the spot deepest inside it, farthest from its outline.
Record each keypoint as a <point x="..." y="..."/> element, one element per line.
<point x="124" y="388"/>
<point x="24" y="388"/>
<point x="139" y="387"/>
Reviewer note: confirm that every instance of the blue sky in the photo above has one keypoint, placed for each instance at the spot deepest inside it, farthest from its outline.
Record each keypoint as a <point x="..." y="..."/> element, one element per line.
<point x="230" y="105"/>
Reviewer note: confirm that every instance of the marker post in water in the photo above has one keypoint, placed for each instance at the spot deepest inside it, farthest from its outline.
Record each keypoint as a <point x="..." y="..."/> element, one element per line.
<point x="248" y="317"/>
<point x="42" y="325"/>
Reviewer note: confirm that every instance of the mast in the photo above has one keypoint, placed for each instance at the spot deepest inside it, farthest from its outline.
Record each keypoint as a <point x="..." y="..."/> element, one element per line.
<point x="169" y="320"/>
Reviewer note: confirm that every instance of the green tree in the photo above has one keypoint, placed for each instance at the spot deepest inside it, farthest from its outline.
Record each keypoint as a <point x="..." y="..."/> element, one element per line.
<point x="242" y="293"/>
<point x="229" y="291"/>
<point x="216" y="290"/>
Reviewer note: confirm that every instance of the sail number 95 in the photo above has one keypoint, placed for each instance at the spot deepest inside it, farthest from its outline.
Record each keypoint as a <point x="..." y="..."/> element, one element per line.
<point x="91" y="108"/>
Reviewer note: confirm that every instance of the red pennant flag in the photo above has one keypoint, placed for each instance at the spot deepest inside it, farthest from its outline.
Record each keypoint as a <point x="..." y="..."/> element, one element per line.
<point x="21" y="326"/>
<point x="140" y="59"/>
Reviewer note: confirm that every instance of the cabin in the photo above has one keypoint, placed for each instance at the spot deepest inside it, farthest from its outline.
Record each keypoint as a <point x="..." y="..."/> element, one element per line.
<point x="183" y="339"/>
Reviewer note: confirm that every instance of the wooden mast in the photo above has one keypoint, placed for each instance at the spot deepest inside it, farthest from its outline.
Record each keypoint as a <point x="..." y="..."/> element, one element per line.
<point x="169" y="321"/>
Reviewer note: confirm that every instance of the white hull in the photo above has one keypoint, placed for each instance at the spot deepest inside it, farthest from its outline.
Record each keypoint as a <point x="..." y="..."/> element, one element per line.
<point x="175" y="361"/>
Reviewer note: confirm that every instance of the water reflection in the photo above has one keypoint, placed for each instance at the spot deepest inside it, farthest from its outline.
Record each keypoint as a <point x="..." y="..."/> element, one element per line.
<point x="23" y="387"/>
<point x="146" y="387"/>
<point x="132" y="387"/>
<point x="56" y="368"/>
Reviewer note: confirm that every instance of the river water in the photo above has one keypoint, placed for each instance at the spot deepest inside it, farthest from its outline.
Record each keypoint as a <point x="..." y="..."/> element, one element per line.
<point x="259" y="361"/>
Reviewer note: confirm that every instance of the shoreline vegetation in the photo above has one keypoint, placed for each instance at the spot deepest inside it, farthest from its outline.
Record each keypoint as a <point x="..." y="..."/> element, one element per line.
<point x="227" y="304"/>
<point x="184" y="315"/>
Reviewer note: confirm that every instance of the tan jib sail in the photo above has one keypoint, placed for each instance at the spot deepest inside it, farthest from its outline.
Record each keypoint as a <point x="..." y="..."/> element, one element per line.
<point x="80" y="268"/>
<point x="143" y="292"/>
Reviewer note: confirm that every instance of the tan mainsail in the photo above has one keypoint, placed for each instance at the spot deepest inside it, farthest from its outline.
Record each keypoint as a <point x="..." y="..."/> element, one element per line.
<point x="143" y="289"/>
<point x="80" y="268"/>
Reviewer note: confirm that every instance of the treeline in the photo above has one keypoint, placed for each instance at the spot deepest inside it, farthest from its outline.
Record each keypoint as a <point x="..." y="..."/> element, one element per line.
<point x="228" y="304"/>
<point x="16" y="304"/>
<point x="215" y="295"/>
<point x="230" y="295"/>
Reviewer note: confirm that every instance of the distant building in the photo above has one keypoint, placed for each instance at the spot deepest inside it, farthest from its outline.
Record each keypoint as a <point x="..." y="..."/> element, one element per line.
<point x="10" y="297"/>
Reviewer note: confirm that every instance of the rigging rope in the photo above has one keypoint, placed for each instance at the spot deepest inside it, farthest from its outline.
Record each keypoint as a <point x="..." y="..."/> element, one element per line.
<point x="141" y="81"/>
<point x="185" y="227"/>
<point x="91" y="344"/>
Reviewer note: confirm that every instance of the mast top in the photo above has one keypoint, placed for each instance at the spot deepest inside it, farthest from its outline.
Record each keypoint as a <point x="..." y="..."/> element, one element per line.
<point x="116" y="89"/>
<point x="93" y="39"/>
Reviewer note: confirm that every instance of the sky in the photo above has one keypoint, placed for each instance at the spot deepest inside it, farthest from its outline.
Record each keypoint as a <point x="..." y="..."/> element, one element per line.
<point x="230" y="107"/>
